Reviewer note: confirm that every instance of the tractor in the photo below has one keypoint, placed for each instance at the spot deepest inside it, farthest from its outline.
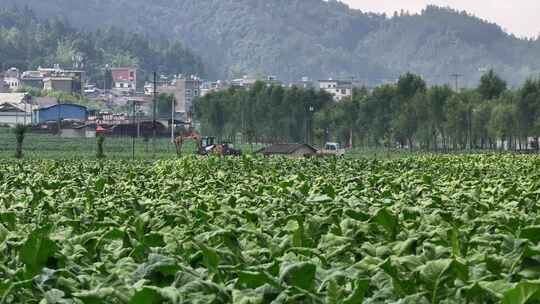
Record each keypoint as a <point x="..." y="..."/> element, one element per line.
<point x="206" y="145"/>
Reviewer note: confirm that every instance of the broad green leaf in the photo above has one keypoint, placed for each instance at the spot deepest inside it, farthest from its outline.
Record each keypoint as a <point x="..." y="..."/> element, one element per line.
<point x="319" y="199"/>
<point x="100" y="184"/>
<point x="252" y="279"/>
<point x="334" y="294"/>
<point x="96" y="296"/>
<point x="531" y="233"/>
<point x="360" y="289"/>
<point x="403" y="286"/>
<point x="387" y="220"/>
<point x="300" y="275"/>
<point x="54" y="296"/>
<point x="357" y="215"/>
<point x="146" y="296"/>
<point x="522" y="293"/>
<point x="453" y="235"/>
<point x="36" y="251"/>
<point x="496" y="288"/>
<point x="211" y="258"/>
<point x="247" y="297"/>
<point x="9" y="219"/>
<point x="3" y="233"/>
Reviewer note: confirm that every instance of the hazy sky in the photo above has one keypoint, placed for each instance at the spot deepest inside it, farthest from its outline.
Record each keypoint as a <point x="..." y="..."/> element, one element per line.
<point x="516" y="16"/>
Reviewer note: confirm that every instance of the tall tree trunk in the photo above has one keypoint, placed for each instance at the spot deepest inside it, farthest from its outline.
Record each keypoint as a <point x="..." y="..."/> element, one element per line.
<point x="351" y="138"/>
<point x="18" y="150"/>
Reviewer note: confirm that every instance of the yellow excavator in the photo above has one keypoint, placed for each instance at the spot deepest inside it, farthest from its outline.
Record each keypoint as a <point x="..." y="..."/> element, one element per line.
<point x="205" y="145"/>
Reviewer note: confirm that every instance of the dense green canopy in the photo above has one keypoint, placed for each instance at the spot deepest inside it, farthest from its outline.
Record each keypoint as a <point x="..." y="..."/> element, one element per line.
<point x="27" y="42"/>
<point x="407" y="114"/>
<point x="320" y="39"/>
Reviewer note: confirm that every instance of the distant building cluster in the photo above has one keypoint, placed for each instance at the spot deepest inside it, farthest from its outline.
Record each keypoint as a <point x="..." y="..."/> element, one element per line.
<point x="50" y="79"/>
<point x="120" y="90"/>
<point x="339" y="89"/>
<point x="185" y="88"/>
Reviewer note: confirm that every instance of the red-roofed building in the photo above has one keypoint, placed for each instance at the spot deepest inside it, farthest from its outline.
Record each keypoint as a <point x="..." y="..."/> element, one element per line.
<point x="124" y="79"/>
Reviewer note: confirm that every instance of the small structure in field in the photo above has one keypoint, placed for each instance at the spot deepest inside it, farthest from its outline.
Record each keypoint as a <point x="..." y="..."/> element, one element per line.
<point x="290" y="150"/>
<point x="81" y="131"/>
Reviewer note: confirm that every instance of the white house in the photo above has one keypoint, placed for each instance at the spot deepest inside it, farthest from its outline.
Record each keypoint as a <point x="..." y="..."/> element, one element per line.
<point x="338" y="88"/>
<point x="13" y="113"/>
<point x="15" y="108"/>
<point x="12" y="78"/>
<point x="124" y="80"/>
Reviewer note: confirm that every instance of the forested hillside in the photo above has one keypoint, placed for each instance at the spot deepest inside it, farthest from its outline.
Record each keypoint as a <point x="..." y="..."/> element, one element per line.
<point x="27" y="41"/>
<point x="294" y="38"/>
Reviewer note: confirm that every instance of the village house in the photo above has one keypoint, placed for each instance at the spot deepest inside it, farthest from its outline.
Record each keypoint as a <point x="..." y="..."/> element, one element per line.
<point x="4" y="87"/>
<point x="124" y="80"/>
<point x="15" y="108"/>
<point x="32" y="79"/>
<point x="340" y="89"/>
<point x="58" y="84"/>
<point x="247" y="81"/>
<point x="185" y="90"/>
<point x="60" y="75"/>
<point x="11" y="77"/>
<point x="208" y="87"/>
<point x="53" y="79"/>
<point x="304" y="83"/>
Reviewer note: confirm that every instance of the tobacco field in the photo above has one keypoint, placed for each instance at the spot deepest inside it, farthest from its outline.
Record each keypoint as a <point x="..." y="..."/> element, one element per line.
<point x="429" y="229"/>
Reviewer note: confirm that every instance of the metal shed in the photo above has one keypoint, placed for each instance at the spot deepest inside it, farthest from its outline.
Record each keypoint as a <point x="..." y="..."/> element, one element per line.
<point x="61" y="112"/>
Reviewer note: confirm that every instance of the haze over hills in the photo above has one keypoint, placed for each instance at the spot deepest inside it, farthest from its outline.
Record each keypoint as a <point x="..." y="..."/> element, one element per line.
<point x="315" y="38"/>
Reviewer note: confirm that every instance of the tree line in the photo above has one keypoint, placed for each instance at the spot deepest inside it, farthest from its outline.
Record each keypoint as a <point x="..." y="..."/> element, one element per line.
<point x="407" y="114"/>
<point x="262" y="113"/>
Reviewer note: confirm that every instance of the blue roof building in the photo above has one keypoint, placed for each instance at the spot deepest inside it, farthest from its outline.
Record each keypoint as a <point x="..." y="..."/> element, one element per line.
<point x="63" y="111"/>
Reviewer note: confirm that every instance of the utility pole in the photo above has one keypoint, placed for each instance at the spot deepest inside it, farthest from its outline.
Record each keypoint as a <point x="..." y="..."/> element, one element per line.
<point x="351" y="127"/>
<point x="243" y="119"/>
<point x="173" y="102"/>
<point x="154" y="122"/>
<point x="352" y="88"/>
<point x="25" y="109"/>
<point x="134" y="132"/>
<point x="456" y="76"/>
<point x="309" y="123"/>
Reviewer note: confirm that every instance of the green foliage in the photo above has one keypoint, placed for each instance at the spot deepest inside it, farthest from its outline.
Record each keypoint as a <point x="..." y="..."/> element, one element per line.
<point x="36" y="252"/>
<point x="38" y="42"/>
<point x="268" y="113"/>
<point x="407" y="114"/>
<point x="429" y="229"/>
<point x="491" y="86"/>
<point x="164" y="104"/>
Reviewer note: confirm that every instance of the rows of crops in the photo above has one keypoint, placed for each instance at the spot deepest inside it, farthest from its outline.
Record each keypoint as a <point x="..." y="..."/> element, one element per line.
<point x="251" y="230"/>
<point x="39" y="146"/>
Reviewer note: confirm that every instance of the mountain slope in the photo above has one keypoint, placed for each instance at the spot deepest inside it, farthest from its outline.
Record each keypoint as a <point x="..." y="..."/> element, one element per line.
<point x="27" y="42"/>
<point x="293" y="38"/>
